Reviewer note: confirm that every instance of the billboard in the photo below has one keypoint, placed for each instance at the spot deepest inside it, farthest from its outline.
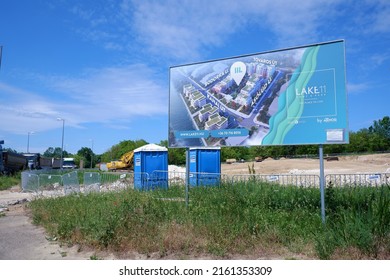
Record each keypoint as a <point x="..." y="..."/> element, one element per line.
<point x="292" y="96"/>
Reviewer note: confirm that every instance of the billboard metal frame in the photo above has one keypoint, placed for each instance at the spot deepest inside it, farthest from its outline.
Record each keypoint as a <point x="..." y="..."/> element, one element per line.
<point x="313" y="75"/>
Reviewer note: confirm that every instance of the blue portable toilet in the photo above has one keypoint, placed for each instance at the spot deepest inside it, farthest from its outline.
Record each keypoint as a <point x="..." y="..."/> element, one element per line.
<point x="205" y="166"/>
<point x="150" y="167"/>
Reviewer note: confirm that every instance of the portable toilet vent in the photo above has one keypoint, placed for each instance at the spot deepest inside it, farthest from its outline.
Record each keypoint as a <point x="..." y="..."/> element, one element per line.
<point x="150" y="167"/>
<point x="205" y="166"/>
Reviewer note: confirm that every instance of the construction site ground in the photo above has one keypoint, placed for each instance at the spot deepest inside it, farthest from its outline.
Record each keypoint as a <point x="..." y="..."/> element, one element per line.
<point x="373" y="163"/>
<point x="21" y="240"/>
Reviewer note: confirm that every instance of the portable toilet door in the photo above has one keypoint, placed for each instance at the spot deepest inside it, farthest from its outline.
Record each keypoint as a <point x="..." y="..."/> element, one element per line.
<point x="205" y="166"/>
<point x="150" y="167"/>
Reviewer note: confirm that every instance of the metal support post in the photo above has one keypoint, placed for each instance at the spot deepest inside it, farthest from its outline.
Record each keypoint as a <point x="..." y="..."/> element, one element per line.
<point x="187" y="176"/>
<point x="322" y="182"/>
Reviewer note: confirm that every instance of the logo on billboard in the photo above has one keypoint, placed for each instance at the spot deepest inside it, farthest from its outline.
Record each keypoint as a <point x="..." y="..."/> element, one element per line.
<point x="312" y="90"/>
<point x="237" y="71"/>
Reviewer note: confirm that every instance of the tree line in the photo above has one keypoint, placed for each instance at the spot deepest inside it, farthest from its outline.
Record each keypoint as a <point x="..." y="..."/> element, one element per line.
<point x="375" y="138"/>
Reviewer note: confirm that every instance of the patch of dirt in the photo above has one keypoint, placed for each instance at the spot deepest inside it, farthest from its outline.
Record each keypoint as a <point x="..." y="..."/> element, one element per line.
<point x="20" y="239"/>
<point x="378" y="163"/>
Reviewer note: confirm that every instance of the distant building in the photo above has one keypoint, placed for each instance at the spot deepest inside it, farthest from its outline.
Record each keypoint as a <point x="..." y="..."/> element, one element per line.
<point x="243" y="99"/>
<point x="217" y="88"/>
<point x="264" y="72"/>
<point x="216" y="122"/>
<point x="207" y="111"/>
<point x="197" y="99"/>
<point x="188" y="90"/>
<point x="228" y="98"/>
<point x="251" y="68"/>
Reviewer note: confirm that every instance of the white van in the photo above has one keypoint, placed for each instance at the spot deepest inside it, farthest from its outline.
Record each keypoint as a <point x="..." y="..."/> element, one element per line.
<point x="68" y="163"/>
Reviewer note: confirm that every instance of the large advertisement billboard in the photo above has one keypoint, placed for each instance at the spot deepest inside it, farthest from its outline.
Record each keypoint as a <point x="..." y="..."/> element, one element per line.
<point x="292" y="96"/>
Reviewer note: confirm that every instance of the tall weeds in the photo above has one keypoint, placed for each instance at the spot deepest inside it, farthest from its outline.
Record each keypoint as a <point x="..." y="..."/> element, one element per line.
<point x="238" y="218"/>
<point x="6" y="182"/>
<point x="358" y="221"/>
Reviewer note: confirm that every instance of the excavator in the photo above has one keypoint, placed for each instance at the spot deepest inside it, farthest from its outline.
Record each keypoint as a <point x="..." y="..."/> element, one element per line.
<point x="124" y="163"/>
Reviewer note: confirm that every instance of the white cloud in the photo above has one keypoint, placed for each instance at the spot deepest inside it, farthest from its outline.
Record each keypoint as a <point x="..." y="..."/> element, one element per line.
<point x="186" y="28"/>
<point x="380" y="59"/>
<point x="127" y="91"/>
<point x="358" y="88"/>
<point x="379" y="18"/>
<point x="109" y="95"/>
<point x="182" y="28"/>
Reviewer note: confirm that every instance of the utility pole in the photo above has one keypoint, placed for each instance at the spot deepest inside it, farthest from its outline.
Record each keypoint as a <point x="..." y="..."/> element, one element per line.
<point x="62" y="145"/>
<point x="91" y="153"/>
<point x="28" y="140"/>
<point x="1" y="157"/>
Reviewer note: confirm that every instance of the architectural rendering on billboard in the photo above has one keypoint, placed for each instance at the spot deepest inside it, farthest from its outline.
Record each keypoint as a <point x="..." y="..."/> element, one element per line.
<point x="285" y="97"/>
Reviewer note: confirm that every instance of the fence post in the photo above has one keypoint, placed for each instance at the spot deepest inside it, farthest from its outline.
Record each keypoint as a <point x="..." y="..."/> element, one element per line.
<point x="322" y="182"/>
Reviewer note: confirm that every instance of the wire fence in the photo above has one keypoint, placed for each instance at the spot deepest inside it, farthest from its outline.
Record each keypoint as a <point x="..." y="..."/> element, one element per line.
<point x="358" y="180"/>
<point x="54" y="183"/>
<point x="280" y="179"/>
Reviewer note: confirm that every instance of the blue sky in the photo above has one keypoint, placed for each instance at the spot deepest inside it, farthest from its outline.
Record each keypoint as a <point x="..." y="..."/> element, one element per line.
<point x="103" y="66"/>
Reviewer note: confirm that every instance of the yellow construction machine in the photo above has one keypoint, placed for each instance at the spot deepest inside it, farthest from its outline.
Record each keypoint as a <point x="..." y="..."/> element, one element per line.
<point x="124" y="163"/>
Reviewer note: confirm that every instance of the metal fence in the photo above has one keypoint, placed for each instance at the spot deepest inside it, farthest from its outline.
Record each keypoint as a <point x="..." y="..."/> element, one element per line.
<point x="279" y="179"/>
<point x="92" y="182"/>
<point x="54" y="182"/>
<point x="195" y="178"/>
<point x="57" y="183"/>
<point x="70" y="182"/>
<point x="358" y="180"/>
<point x="30" y="182"/>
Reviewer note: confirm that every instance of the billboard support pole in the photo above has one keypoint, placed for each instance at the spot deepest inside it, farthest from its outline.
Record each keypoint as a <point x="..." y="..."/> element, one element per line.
<point x="322" y="182"/>
<point x="187" y="176"/>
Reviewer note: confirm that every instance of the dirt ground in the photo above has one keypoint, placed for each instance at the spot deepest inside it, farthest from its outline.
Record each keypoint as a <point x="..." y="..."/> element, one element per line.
<point x="21" y="240"/>
<point x="378" y="163"/>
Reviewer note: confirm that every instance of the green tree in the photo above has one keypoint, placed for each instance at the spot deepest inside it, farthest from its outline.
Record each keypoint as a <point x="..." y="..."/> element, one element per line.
<point x="380" y="131"/>
<point x="164" y="143"/>
<point x="10" y="150"/>
<point x="381" y="127"/>
<point x="177" y="156"/>
<point x="116" y="151"/>
<point x="87" y="155"/>
<point x="229" y="152"/>
<point x="358" y="141"/>
<point x="258" y="151"/>
<point x="55" y="152"/>
<point x="377" y="142"/>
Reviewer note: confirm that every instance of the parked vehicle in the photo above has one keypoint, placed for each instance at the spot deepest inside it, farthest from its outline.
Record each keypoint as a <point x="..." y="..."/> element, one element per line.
<point x="56" y="163"/>
<point x="12" y="162"/>
<point x="124" y="163"/>
<point x="68" y="163"/>
<point x="33" y="161"/>
<point x="45" y="162"/>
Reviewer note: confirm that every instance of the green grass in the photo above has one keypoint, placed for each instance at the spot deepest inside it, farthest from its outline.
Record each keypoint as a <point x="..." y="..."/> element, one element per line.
<point x="7" y="182"/>
<point x="227" y="220"/>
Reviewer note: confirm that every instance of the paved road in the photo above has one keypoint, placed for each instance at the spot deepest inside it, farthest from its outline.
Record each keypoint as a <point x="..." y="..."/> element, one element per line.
<point x="21" y="240"/>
